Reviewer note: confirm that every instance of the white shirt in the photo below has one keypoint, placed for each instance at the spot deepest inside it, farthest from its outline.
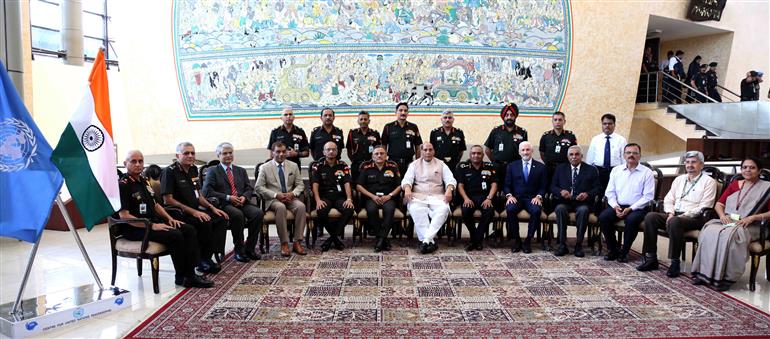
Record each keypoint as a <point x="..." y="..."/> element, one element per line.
<point x="426" y="184"/>
<point x="688" y="199"/>
<point x="634" y="188"/>
<point x="664" y="65"/>
<point x="672" y="62"/>
<point x="595" y="154"/>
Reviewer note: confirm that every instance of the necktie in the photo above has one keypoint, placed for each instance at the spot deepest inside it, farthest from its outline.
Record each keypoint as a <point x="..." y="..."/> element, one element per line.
<point x="282" y="178"/>
<point x="607" y="152"/>
<point x="526" y="171"/>
<point x="230" y="178"/>
<point x="574" y="178"/>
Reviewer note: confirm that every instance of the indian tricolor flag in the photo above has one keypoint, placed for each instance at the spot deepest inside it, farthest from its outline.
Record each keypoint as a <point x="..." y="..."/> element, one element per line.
<point x="85" y="154"/>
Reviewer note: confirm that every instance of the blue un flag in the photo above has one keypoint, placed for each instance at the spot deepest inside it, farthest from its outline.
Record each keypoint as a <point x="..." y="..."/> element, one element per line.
<point x="29" y="181"/>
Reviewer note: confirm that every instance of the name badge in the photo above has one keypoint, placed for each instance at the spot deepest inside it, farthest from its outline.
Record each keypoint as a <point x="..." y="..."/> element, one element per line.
<point x="735" y="216"/>
<point x="558" y="149"/>
<point x="483" y="185"/>
<point x="339" y="188"/>
<point x="678" y="206"/>
<point x="142" y="208"/>
<point x="500" y="147"/>
<point x="371" y="148"/>
<point x="197" y="195"/>
<point x="408" y="144"/>
<point x="296" y="146"/>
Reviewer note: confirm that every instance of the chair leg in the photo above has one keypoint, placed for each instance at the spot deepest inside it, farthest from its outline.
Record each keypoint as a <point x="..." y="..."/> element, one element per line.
<point x="139" y="266"/>
<point x="753" y="275"/>
<point x="155" y="269"/>
<point x="262" y="239"/>
<point x="114" y="267"/>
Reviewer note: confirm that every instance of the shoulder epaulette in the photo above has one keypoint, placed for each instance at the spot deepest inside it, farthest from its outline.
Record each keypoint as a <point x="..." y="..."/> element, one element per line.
<point x="367" y="164"/>
<point x="392" y="163"/>
<point x="464" y="164"/>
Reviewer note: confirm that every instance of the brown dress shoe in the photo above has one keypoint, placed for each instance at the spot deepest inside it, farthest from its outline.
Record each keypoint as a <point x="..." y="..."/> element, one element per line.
<point x="285" y="249"/>
<point x="298" y="249"/>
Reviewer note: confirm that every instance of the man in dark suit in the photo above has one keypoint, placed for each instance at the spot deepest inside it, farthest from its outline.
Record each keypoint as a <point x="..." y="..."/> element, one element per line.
<point x="525" y="185"/>
<point x="230" y="184"/>
<point x="575" y="186"/>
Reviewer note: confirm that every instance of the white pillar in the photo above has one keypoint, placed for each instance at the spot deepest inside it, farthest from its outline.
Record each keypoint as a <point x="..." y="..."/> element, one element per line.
<point x="11" y="51"/>
<point x="72" y="31"/>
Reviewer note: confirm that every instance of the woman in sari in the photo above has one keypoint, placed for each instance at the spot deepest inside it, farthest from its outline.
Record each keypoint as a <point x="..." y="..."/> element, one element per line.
<point x="724" y="242"/>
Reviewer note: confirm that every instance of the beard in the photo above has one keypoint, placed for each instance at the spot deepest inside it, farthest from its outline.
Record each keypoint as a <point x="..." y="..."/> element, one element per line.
<point x="510" y="123"/>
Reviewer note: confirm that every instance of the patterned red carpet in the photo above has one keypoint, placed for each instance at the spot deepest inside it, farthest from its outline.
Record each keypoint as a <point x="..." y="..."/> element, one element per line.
<point x="451" y="293"/>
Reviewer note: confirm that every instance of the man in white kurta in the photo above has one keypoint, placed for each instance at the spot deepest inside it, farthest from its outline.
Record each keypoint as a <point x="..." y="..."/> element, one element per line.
<point x="428" y="185"/>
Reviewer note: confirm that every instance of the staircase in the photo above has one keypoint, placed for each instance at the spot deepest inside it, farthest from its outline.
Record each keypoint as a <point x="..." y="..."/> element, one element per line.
<point x="680" y="127"/>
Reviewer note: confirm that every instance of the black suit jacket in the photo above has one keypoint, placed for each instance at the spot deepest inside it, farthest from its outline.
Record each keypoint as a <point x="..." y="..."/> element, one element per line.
<point x="587" y="181"/>
<point x="216" y="183"/>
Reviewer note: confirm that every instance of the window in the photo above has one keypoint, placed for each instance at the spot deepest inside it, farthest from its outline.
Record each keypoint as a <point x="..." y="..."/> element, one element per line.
<point x="46" y="17"/>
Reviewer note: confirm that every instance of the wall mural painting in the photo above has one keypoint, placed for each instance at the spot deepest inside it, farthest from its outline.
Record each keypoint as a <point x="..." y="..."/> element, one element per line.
<point x="248" y="59"/>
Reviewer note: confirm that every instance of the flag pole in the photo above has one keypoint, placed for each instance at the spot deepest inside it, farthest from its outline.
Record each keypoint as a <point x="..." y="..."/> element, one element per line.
<point x="32" y="254"/>
<point x="66" y="216"/>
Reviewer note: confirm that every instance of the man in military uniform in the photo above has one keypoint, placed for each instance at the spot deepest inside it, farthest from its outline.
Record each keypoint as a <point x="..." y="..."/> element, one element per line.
<point x="330" y="178"/>
<point x="476" y="182"/>
<point x="179" y="187"/>
<point x="361" y="142"/>
<point x="325" y="133"/>
<point x="137" y="201"/>
<point x="448" y="141"/>
<point x="712" y="81"/>
<point x="380" y="184"/>
<point x="699" y="81"/>
<point x="554" y="144"/>
<point x="292" y="136"/>
<point x="502" y="145"/>
<point x="402" y="138"/>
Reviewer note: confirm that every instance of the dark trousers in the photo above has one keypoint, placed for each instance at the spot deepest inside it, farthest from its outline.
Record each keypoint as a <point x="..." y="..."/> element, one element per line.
<point x="714" y="94"/>
<point x="477" y="233"/>
<point x="562" y="211"/>
<point x="675" y="229"/>
<point x="604" y="177"/>
<point x="607" y="220"/>
<point x="211" y="234"/>
<point x="182" y="243"/>
<point x="355" y="171"/>
<point x="403" y="164"/>
<point x="500" y="168"/>
<point x="248" y="216"/>
<point x="523" y="203"/>
<point x="373" y="220"/>
<point x="336" y="227"/>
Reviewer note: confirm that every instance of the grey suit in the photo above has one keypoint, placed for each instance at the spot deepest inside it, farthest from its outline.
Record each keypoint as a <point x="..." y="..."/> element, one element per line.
<point x="217" y="185"/>
<point x="269" y="185"/>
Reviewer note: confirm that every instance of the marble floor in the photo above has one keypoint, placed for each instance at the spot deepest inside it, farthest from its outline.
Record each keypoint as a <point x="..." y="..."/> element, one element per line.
<point x="59" y="266"/>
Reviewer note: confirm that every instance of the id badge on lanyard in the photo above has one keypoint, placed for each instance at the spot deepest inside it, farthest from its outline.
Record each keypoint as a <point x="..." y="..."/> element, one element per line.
<point x="142" y="208"/>
<point x="408" y="144"/>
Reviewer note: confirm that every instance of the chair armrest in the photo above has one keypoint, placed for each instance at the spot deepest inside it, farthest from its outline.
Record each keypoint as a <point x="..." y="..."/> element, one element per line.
<point x="709" y="213"/>
<point x="134" y="222"/>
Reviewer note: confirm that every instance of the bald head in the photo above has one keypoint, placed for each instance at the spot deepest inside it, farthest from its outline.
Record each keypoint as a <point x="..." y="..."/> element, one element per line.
<point x="330" y="151"/>
<point x="525" y="151"/>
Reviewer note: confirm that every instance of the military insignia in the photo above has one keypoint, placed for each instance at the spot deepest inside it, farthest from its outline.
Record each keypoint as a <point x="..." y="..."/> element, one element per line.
<point x="339" y="173"/>
<point x="137" y="195"/>
<point x="518" y="136"/>
<point x="18" y="145"/>
<point x="456" y="138"/>
<point x="486" y="173"/>
<point x="388" y="174"/>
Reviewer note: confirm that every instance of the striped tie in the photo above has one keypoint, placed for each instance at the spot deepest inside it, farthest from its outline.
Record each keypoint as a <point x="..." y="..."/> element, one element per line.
<point x="230" y="178"/>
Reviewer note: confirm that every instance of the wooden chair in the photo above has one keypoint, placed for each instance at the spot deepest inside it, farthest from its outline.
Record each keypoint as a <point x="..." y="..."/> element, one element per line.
<point x="594" y="233"/>
<point x="138" y="250"/>
<point x="269" y="216"/>
<point x="761" y="247"/>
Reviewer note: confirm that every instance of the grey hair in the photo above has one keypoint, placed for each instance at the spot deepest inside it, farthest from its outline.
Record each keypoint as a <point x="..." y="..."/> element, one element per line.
<point x="287" y="108"/>
<point x="447" y="111"/>
<point x="524" y="143"/>
<point x="577" y="147"/>
<point x="132" y="152"/>
<point x="695" y="154"/>
<point x="221" y="147"/>
<point x="180" y="147"/>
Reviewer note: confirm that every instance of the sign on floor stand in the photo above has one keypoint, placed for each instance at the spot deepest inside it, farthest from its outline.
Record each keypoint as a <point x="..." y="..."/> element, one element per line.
<point x="52" y="311"/>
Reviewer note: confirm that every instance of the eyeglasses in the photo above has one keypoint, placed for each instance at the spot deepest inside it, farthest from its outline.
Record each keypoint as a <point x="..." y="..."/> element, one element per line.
<point x="189" y="153"/>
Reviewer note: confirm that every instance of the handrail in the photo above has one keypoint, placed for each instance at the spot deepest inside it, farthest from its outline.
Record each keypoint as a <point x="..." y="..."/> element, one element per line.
<point x="731" y="92"/>
<point x="690" y="88"/>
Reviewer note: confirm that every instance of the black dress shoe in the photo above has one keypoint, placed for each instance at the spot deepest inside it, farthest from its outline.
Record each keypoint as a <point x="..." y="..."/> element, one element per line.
<point x="424" y="248"/>
<point x="196" y="281"/>
<point x="673" y="270"/>
<point x="697" y="281"/>
<point x="379" y="245"/>
<point x="432" y="247"/>
<point x="206" y="267"/>
<point x="179" y="280"/>
<point x="612" y="255"/>
<point x="253" y="255"/>
<point x="240" y="257"/>
<point x="623" y="257"/>
<point x="479" y="246"/>
<point x="219" y="257"/>
<point x="386" y="246"/>
<point x="579" y="252"/>
<point x="649" y="264"/>
<point x="516" y="245"/>
<point x="326" y="245"/>
<point x="722" y="286"/>
<point x="527" y="247"/>
<point x="561" y="251"/>
<point x="470" y="246"/>
<point x="338" y="245"/>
